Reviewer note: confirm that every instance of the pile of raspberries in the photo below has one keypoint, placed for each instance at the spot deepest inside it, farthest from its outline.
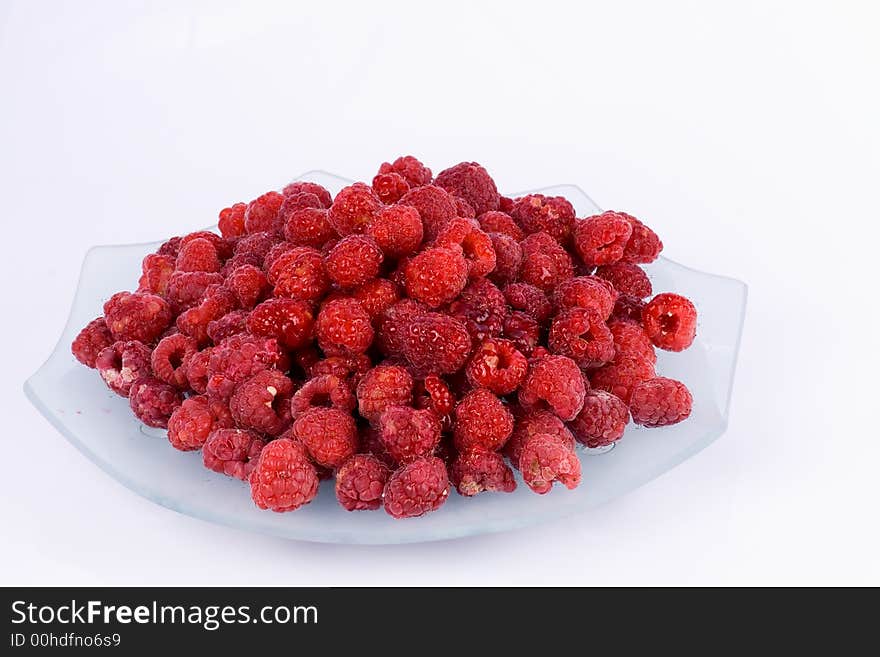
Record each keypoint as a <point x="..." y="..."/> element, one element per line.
<point x="403" y="336"/>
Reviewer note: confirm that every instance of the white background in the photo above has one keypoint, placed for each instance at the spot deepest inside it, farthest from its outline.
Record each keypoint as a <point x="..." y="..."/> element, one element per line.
<point x="746" y="133"/>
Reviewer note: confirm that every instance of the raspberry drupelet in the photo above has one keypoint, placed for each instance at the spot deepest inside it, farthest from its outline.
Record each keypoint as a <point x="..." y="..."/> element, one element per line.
<point x="360" y="482"/>
<point x="283" y="479"/>
<point x="433" y="393"/>
<point x="670" y="320"/>
<point x="417" y="488"/>
<point x="233" y="452"/>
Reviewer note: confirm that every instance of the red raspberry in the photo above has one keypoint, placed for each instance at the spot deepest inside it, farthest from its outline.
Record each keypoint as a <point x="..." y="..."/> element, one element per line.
<point x="602" y="420"/>
<point x="91" y="341"/>
<point x="631" y="341"/>
<point x="471" y="182"/>
<point x="290" y="321"/>
<point x="187" y="289"/>
<point x="371" y="443"/>
<point x="230" y="324"/>
<point x="436" y="276"/>
<point x="153" y="402"/>
<point x="194" y="322"/>
<point x="279" y="249"/>
<point x="582" y="335"/>
<point x="417" y="488"/>
<point x="482" y="421"/>
<point x="353" y="209"/>
<point x="481" y="308"/>
<point x="602" y="238"/>
<point x="294" y="203"/>
<point x="398" y="230"/>
<point x="309" y="227"/>
<point x="389" y="187"/>
<point x="353" y="261"/>
<point x="170" y="248"/>
<point x="239" y="358"/>
<point x="626" y="278"/>
<point x="350" y="368"/>
<point x="360" y="482"/>
<point x="168" y="358"/>
<point x="255" y="246"/>
<point x="435" y="206"/>
<point x="531" y="424"/>
<point x="436" y="344"/>
<point x="552" y="214"/>
<point x="415" y="173"/>
<point x="329" y="434"/>
<point x="192" y="422"/>
<point x="476" y="246"/>
<point x="231" y="222"/>
<point x="588" y="292"/>
<point x="545" y="264"/>
<point x="248" y="283"/>
<point x="224" y="247"/>
<point x="343" y="327"/>
<point x="233" y="452"/>
<point x="156" y="271"/>
<point x="137" y="316"/>
<point x="508" y="258"/>
<point x="302" y="186"/>
<point x="620" y="376"/>
<point x="553" y="382"/>
<point x="523" y="331"/>
<point x="408" y="434"/>
<point x="464" y="209"/>
<point x="376" y="296"/>
<point x="196" y="369"/>
<point x="643" y="245"/>
<point x="670" y="320"/>
<point x="299" y="274"/>
<point x="505" y="204"/>
<point x="283" y="479"/>
<point x="394" y="323"/>
<point x="381" y="387"/>
<point x="325" y="391"/>
<point x="122" y="363"/>
<point x="261" y="214"/>
<point x="660" y="402"/>
<point x="498" y="366"/>
<point x="496" y="221"/>
<point x="545" y="460"/>
<point x="198" y="255"/>
<point x="262" y="402"/>
<point x="477" y="470"/>
<point x="628" y="308"/>
<point x="433" y="394"/>
<point x="530" y="300"/>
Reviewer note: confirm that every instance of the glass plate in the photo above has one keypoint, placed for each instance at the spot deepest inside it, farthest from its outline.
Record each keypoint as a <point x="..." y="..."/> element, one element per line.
<point x="100" y="424"/>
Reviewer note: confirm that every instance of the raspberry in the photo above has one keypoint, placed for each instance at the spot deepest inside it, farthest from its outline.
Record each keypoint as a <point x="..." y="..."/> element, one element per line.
<point x="224" y="247"/>
<point x="394" y="323"/>
<point x="628" y="308"/>
<point x="474" y="471"/>
<point x="414" y="172"/>
<point x="670" y="320"/>
<point x="360" y="482"/>
<point x="330" y="435"/>
<point x="353" y="261"/>
<point x="601" y="239"/>
<point x="631" y="341"/>
<point x="496" y="221"/>
<point x="464" y="209"/>
<point x="433" y="394"/>
<point x="198" y="255"/>
<point x="186" y="289"/>
<point x="552" y="214"/>
<point x="231" y="222"/>
<point x="248" y="283"/>
<point x="327" y="391"/>
<point x="505" y="204"/>
<point x="261" y="214"/>
<point x="350" y="368"/>
<point x="308" y="227"/>
<point x="601" y="421"/>
<point x="156" y="271"/>
<point x="353" y="209"/>
<point x="299" y="274"/>
<point x="545" y="264"/>
<point x="295" y="202"/>
<point x="589" y="292"/>
<point x="389" y="187"/>
<point x="417" y="488"/>
<point x="482" y="421"/>
<point x="398" y="230"/>
<point x="256" y="245"/>
<point x="408" y="434"/>
<point x="582" y="335"/>
<point x="620" y="376"/>
<point x="626" y="278"/>
<point x="279" y="249"/>
<point x="381" y="387"/>
<point x="302" y="186"/>
<point x="290" y="321"/>
<point x="555" y="383"/>
<point x="435" y="206"/>
<point x="283" y="479"/>
<point x="644" y="245"/>
<point x="91" y="341"/>
<point x="545" y="460"/>
<point x="192" y="422"/>
<point x="436" y="344"/>
<point x="498" y="366"/>
<point x="168" y="358"/>
<point x="481" y="308"/>
<point x="538" y="422"/>
<point x="471" y="182"/>
<point x="343" y="327"/>
<point x="436" y="276"/>
<point x="530" y="300"/>
<point x="376" y="296"/>
<point x="153" y="402"/>
<point x="508" y="258"/>
<point x="371" y="443"/>
<point x="239" y="358"/>
<point x="170" y="248"/>
<point x="476" y="246"/>
<point x="122" y="363"/>
<point x="196" y="369"/>
<point x="660" y="402"/>
<point x="262" y="402"/>
<point x="139" y="316"/>
<point x="233" y="452"/>
<point x="194" y="322"/>
<point x="523" y="331"/>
